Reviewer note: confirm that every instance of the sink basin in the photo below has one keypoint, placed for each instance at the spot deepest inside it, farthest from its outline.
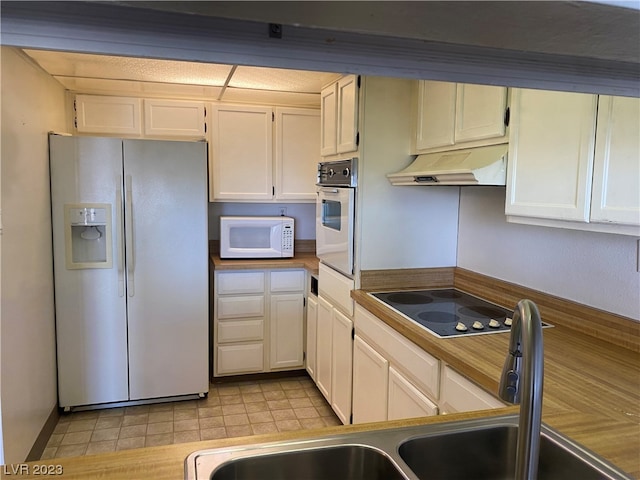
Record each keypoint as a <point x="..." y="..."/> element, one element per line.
<point x="489" y="453"/>
<point x="343" y="462"/>
<point x="479" y="449"/>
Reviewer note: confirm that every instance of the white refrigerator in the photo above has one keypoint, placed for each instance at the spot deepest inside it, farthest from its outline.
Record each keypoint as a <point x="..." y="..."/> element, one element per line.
<point x="130" y="242"/>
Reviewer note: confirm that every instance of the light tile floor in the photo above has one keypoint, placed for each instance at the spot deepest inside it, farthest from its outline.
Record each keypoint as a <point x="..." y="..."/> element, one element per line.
<point x="230" y="410"/>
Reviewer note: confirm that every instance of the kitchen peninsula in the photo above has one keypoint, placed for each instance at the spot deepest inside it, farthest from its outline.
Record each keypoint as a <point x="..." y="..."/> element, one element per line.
<point x="590" y="390"/>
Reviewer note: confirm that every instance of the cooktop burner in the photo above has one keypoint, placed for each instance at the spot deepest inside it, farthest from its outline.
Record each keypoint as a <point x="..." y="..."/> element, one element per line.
<point x="448" y="312"/>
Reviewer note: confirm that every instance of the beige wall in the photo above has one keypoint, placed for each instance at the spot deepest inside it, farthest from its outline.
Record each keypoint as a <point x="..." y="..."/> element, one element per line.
<point x="32" y="105"/>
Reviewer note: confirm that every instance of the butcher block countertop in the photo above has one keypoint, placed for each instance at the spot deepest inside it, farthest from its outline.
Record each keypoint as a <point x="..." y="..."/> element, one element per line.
<point x="305" y="260"/>
<point x="591" y="394"/>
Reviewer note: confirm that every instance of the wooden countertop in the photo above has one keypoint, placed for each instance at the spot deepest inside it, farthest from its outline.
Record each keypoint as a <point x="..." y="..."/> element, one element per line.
<point x="591" y="387"/>
<point x="591" y="394"/>
<point x="300" y="260"/>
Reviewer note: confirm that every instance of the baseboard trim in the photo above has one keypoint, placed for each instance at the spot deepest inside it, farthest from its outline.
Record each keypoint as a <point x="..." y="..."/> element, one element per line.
<point x="43" y="438"/>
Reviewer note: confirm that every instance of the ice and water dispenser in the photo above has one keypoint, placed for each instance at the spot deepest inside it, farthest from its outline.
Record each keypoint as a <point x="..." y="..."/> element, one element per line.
<point x="88" y="235"/>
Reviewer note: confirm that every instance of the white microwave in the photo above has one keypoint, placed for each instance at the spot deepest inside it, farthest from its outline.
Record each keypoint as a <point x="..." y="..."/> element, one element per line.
<point x="256" y="237"/>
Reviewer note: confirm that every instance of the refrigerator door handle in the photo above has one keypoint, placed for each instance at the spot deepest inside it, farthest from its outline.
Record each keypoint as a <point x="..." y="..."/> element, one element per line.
<point x="129" y="236"/>
<point x="120" y="239"/>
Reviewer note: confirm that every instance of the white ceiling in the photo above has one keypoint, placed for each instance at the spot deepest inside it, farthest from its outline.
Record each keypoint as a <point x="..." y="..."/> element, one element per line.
<point x="105" y="74"/>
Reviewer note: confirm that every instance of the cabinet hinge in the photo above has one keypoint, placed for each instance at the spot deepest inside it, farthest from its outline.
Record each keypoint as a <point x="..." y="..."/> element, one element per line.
<point x="273" y="117"/>
<point x="205" y="112"/>
<point x="304" y="301"/>
<point x="359" y="78"/>
<point x="357" y="139"/>
<point x="75" y="121"/>
<point x="273" y="190"/>
<point x="205" y="127"/>
<point x="304" y="356"/>
<point x="75" y="107"/>
<point x="353" y="334"/>
<point x="351" y="419"/>
<point x="507" y="116"/>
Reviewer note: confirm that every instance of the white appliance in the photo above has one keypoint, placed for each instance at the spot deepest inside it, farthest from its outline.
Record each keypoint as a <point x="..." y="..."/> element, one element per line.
<point x="130" y="244"/>
<point x="335" y="214"/>
<point x="256" y="237"/>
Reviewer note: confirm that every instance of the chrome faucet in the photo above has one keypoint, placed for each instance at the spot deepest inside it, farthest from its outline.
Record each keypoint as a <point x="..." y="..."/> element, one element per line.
<point x="521" y="382"/>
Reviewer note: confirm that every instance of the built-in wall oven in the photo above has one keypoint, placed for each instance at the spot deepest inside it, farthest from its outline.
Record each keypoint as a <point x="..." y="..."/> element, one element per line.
<point x="335" y="214"/>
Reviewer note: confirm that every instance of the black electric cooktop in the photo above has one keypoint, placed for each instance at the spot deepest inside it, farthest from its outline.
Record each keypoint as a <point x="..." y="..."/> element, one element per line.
<point x="448" y="312"/>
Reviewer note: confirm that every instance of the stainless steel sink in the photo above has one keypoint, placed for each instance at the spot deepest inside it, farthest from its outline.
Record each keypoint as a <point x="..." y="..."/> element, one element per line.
<point x="339" y="462"/>
<point x="480" y="449"/>
<point x="490" y="452"/>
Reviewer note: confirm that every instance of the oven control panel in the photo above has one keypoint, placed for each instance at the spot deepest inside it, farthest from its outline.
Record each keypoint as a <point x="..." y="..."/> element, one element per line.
<point x="339" y="173"/>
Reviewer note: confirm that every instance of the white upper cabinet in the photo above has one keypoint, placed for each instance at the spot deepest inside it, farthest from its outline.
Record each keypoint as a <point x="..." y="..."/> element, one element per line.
<point x="108" y="115"/>
<point x="615" y="194"/>
<point x="174" y="118"/>
<point x="124" y="116"/>
<point x="436" y="119"/>
<point x="243" y="166"/>
<point x="297" y="134"/>
<point x="480" y="111"/>
<point x="329" y="122"/>
<point x="453" y="116"/>
<point x="347" y="137"/>
<point x="565" y="171"/>
<point x="339" y="107"/>
<point x="551" y="154"/>
<point x="241" y="163"/>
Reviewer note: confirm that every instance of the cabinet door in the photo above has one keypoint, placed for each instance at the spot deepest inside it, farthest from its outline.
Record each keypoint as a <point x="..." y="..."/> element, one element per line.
<point x="111" y="115"/>
<point x="174" y="118"/>
<point x="370" y="383"/>
<point x="347" y="136"/>
<point x="461" y="395"/>
<point x="241" y="160"/>
<point x="616" y="170"/>
<point x="323" y="350"/>
<point x="480" y="112"/>
<point x="436" y="114"/>
<point x="329" y="120"/>
<point x="341" y="366"/>
<point x="405" y="400"/>
<point x="286" y="333"/>
<point x="551" y="144"/>
<point x="297" y="157"/>
<point x="312" y="321"/>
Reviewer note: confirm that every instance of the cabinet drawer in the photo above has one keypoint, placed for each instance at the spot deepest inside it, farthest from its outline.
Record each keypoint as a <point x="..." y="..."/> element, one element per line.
<point x="287" y="281"/>
<point x="239" y="358"/>
<point x="240" y="330"/>
<point x="240" y="282"/>
<point x="462" y="395"/>
<point x="418" y="366"/>
<point x="240" y="307"/>
<point x="336" y="288"/>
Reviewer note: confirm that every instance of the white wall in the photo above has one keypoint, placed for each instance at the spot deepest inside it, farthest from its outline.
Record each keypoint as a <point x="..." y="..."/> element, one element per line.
<point x="32" y="104"/>
<point x="596" y="269"/>
<point x="304" y="215"/>
<point x="400" y="227"/>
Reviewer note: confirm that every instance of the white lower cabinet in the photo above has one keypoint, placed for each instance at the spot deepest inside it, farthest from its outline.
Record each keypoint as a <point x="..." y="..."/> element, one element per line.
<point x="323" y="349"/>
<point x="312" y="332"/>
<point x="462" y="395"/>
<point x="285" y="339"/>
<point x="258" y="321"/>
<point x="393" y="378"/>
<point x="334" y="357"/>
<point x="341" y="365"/>
<point x="370" y="383"/>
<point x="405" y="400"/>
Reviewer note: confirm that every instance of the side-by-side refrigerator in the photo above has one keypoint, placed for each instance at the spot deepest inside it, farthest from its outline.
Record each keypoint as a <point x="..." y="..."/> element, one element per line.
<point x="130" y="244"/>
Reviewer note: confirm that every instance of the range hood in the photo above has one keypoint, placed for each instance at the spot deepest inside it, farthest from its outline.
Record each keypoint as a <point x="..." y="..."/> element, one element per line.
<point x="473" y="166"/>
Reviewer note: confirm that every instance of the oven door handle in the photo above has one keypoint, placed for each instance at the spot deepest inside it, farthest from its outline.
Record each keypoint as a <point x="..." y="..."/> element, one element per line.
<point x="330" y="190"/>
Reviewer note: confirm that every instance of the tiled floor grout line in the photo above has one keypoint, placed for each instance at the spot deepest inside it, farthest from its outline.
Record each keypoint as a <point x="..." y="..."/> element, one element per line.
<point x="230" y="410"/>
